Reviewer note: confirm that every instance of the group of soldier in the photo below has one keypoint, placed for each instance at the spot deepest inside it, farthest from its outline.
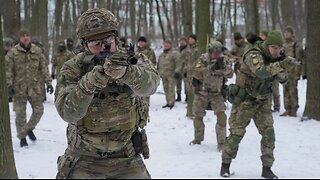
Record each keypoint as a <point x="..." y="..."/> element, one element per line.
<point x="106" y="103"/>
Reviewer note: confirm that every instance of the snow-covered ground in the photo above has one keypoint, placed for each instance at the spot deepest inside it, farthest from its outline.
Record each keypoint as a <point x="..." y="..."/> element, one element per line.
<point x="169" y="133"/>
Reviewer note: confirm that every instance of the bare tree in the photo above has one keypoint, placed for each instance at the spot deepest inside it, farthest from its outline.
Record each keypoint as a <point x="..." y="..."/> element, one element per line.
<point x="160" y="20"/>
<point x="203" y="11"/>
<point x="312" y="60"/>
<point x="10" y="12"/>
<point x="7" y="163"/>
<point x="251" y="16"/>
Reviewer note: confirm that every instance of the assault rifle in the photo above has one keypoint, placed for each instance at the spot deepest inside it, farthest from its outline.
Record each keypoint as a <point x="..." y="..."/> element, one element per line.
<point x="125" y="59"/>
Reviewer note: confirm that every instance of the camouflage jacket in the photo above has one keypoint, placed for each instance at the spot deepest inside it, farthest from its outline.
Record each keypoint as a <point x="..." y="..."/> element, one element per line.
<point x="191" y="62"/>
<point x="58" y="59"/>
<point x="105" y="120"/>
<point x="212" y="73"/>
<point x="169" y="63"/>
<point x="257" y="75"/>
<point x="185" y="55"/>
<point x="238" y="51"/>
<point x="26" y="70"/>
<point x="149" y="53"/>
<point x="294" y="49"/>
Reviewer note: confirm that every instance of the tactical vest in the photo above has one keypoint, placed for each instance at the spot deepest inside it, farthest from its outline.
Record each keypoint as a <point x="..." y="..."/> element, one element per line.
<point x="255" y="87"/>
<point x="110" y="122"/>
<point x="212" y="82"/>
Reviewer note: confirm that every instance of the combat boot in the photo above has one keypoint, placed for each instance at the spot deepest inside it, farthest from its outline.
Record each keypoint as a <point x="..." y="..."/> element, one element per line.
<point x="23" y="142"/>
<point x="286" y="113"/>
<point x="267" y="173"/>
<point x="225" y="171"/>
<point x="178" y="97"/>
<point x="193" y="142"/>
<point x="31" y="135"/>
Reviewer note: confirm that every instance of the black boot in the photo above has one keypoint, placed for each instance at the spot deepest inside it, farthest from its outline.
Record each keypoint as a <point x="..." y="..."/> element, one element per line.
<point x="267" y="173"/>
<point x="23" y="142"/>
<point x="165" y="106"/>
<point x="178" y="97"/>
<point x="225" y="172"/>
<point x="31" y="135"/>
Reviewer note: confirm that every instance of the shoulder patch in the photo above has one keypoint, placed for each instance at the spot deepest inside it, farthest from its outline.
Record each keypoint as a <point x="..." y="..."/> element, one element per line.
<point x="255" y="61"/>
<point x="198" y="65"/>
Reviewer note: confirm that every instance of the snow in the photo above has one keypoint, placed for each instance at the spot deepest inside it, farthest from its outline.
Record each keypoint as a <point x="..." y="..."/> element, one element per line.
<point x="169" y="133"/>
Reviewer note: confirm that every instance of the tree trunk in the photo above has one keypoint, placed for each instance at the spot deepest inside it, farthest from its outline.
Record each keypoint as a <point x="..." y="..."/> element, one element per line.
<point x="175" y="21"/>
<point x="287" y="13"/>
<point x="252" y="16"/>
<point x="169" y="25"/>
<point x="312" y="60"/>
<point x="188" y="17"/>
<point x="10" y="13"/>
<point x="274" y="13"/>
<point x="7" y="163"/>
<point x="160" y="21"/>
<point x="133" y="20"/>
<point x="203" y="11"/>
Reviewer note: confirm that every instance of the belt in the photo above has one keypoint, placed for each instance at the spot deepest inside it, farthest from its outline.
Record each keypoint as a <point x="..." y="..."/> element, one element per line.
<point x="99" y="154"/>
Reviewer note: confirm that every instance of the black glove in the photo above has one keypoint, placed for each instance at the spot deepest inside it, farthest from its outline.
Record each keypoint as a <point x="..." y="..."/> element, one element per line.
<point x="196" y="82"/>
<point x="177" y="75"/>
<point x="50" y="88"/>
<point x="304" y="77"/>
<point x="219" y="64"/>
<point x="53" y="76"/>
<point x="282" y="56"/>
<point x="10" y="91"/>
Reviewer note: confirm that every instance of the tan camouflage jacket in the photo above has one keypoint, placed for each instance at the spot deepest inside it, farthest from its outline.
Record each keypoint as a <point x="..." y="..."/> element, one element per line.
<point x="105" y="120"/>
<point x="58" y="59"/>
<point x="169" y="63"/>
<point x="191" y="62"/>
<point x="149" y="53"/>
<point x="185" y="56"/>
<point x="294" y="49"/>
<point x="26" y="70"/>
<point x="212" y="75"/>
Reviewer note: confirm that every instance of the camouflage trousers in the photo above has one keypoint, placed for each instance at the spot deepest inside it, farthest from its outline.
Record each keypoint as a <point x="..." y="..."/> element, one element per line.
<point x="169" y="89"/>
<point x="290" y="93"/>
<point x="179" y="85"/>
<point x="200" y="104"/>
<point x="276" y="95"/>
<point x="241" y="115"/>
<point x="85" y="167"/>
<point x="190" y="98"/>
<point x="20" y="107"/>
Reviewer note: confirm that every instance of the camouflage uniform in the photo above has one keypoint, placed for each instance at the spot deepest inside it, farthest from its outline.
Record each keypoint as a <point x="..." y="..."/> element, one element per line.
<point x="168" y="65"/>
<point x="103" y="110"/>
<point x="58" y="59"/>
<point x="211" y="74"/>
<point x="190" y="64"/>
<point x="25" y="73"/>
<point x="238" y="51"/>
<point x="252" y="100"/>
<point x="185" y="55"/>
<point x="149" y="53"/>
<point x="290" y="91"/>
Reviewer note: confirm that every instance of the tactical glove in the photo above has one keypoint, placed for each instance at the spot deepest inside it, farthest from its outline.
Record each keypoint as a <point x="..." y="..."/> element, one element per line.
<point x="219" y="64"/>
<point x="113" y="70"/>
<point x="50" y="88"/>
<point x="177" y="75"/>
<point x="53" y="76"/>
<point x="94" y="79"/>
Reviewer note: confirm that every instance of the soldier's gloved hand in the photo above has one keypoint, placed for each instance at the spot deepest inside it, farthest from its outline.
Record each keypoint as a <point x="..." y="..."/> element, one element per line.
<point x="53" y="76"/>
<point x="113" y="70"/>
<point x="177" y="75"/>
<point x="94" y="79"/>
<point x="50" y="88"/>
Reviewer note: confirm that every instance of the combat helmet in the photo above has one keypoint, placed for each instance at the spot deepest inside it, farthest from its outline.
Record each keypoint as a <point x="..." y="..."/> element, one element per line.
<point x="97" y="24"/>
<point x="215" y="46"/>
